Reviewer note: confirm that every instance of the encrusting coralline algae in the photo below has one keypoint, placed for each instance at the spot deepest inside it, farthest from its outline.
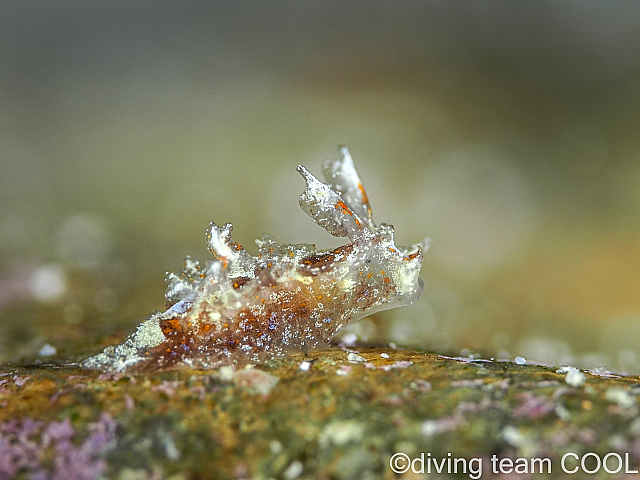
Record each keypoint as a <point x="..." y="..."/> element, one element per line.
<point x="239" y="309"/>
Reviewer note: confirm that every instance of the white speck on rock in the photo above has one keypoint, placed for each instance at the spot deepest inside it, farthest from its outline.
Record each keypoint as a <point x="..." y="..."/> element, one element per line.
<point x="634" y="427"/>
<point x="293" y="471"/>
<point x="429" y="428"/>
<point x="398" y="364"/>
<point x="575" y="377"/>
<point x="132" y="474"/>
<point x="621" y="396"/>
<point x="255" y="380"/>
<point x="275" y="446"/>
<point x="304" y="366"/>
<point x="562" y="413"/>
<point x="170" y="449"/>
<point x="521" y="360"/>
<point x="513" y="436"/>
<point x="384" y="355"/>
<point x="618" y="442"/>
<point x="226" y="373"/>
<point x="47" y="350"/>
<point x="355" y="358"/>
<point x="341" y="433"/>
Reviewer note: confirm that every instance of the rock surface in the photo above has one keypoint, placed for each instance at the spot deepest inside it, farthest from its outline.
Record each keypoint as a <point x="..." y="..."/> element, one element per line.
<point x="335" y="414"/>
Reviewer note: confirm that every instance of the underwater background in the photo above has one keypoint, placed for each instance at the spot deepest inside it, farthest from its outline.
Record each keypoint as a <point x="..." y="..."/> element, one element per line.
<point x="506" y="132"/>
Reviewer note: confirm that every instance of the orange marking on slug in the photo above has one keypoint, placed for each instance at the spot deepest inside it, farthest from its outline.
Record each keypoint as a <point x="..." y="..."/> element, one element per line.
<point x="344" y="207"/>
<point x="363" y="194"/>
<point x="412" y="256"/>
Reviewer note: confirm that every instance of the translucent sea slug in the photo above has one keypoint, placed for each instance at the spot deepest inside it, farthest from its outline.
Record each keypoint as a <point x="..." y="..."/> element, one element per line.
<point x="239" y="309"/>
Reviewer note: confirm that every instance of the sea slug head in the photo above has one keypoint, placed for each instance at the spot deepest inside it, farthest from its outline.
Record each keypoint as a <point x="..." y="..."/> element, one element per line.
<point x="400" y="264"/>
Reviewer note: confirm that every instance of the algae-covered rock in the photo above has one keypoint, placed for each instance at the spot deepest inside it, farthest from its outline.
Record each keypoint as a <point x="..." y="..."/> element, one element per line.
<point x="335" y="414"/>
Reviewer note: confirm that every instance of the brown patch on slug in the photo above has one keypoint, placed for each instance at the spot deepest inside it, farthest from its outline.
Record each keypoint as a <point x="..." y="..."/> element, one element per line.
<point x="324" y="261"/>
<point x="239" y="282"/>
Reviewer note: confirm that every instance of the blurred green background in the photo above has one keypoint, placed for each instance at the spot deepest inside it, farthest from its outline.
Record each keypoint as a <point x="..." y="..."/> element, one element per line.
<point x="505" y="131"/>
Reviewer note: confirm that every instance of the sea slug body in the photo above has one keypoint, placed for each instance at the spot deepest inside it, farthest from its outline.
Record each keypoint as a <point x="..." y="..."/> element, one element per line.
<point x="240" y="309"/>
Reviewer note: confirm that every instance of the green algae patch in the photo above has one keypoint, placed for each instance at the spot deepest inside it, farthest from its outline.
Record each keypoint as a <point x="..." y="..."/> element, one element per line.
<point x="335" y="414"/>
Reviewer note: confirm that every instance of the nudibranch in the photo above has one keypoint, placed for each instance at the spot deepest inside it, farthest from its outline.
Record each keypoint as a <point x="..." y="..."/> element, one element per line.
<point x="241" y="309"/>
